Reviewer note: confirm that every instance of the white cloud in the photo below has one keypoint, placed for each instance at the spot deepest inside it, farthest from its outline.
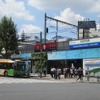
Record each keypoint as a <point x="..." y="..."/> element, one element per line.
<point x="29" y="30"/>
<point x="14" y="8"/>
<point x="42" y="4"/>
<point x="79" y="5"/>
<point x="95" y="7"/>
<point x="69" y="16"/>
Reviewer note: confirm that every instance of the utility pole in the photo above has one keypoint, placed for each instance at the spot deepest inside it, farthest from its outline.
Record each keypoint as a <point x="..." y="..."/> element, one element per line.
<point x="45" y="28"/>
<point x="56" y="30"/>
<point x="40" y="54"/>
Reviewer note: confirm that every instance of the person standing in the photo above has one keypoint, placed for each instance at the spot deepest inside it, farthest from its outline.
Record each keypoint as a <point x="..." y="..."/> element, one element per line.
<point x="44" y="71"/>
<point x="87" y="74"/>
<point x="58" y="73"/>
<point x="65" y="72"/>
<point x="68" y="72"/>
<point x="52" y="72"/>
<point x="71" y="72"/>
<point x="75" y="72"/>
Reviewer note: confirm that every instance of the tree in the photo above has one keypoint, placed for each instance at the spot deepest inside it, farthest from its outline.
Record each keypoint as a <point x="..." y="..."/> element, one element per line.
<point x="40" y="62"/>
<point x="0" y="43"/>
<point x="23" y="37"/>
<point x="8" y="35"/>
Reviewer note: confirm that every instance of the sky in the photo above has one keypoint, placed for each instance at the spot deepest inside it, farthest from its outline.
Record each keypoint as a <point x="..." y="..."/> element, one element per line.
<point x="28" y="15"/>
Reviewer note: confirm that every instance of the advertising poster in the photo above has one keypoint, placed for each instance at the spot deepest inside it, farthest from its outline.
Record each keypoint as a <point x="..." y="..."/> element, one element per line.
<point x="92" y="65"/>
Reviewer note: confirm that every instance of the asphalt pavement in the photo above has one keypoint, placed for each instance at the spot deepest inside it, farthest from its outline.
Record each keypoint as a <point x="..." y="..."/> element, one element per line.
<point x="48" y="91"/>
<point x="47" y="88"/>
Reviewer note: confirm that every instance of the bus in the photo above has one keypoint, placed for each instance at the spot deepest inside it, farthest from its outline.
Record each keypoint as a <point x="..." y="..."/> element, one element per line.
<point x="17" y="68"/>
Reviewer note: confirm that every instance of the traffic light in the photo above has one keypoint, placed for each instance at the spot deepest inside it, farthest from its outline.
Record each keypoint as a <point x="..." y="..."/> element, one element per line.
<point x="46" y="30"/>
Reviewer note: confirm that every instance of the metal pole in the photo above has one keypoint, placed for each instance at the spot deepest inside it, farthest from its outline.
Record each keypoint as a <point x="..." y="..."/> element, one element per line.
<point x="45" y="28"/>
<point x="78" y="33"/>
<point x="83" y="32"/>
<point x="56" y="30"/>
<point x="41" y="54"/>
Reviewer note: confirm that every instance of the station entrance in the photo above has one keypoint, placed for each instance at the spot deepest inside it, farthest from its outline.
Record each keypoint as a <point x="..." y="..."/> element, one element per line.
<point x="64" y="63"/>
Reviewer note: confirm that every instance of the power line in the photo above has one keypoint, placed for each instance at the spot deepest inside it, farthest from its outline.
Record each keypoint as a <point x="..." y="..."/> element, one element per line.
<point x="57" y="21"/>
<point x="61" y="21"/>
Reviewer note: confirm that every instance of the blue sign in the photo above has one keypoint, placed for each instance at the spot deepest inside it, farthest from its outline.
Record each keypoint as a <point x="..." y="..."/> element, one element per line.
<point x="86" y="45"/>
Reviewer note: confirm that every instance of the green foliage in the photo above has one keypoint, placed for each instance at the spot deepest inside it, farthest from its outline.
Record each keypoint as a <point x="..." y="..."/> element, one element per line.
<point x="40" y="60"/>
<point x="8" y="35"/>
<point x="95" y="70"/>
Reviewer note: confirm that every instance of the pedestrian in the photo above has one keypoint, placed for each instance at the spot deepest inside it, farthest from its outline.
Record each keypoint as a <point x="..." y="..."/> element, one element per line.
<point x="40" y="73"/>
<point x="68" y="72"/>
<point x="71" y="72"/>
<point x="58" y="73"/>
<point x="55" y="73"/>
<point x="44" y="71"/>
<point x="52" y="72"/>
<point x="87" y="73"/>
<point x="80" y="74"/>
<point x="65" y="72"/>
<point x="75" y="72"/>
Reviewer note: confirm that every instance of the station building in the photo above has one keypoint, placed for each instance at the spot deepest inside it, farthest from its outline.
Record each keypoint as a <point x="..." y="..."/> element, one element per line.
<point x="83" y="52"/>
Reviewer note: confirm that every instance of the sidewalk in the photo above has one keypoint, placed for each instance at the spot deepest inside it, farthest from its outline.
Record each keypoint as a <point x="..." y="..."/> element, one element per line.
<point x="67" y="80"/>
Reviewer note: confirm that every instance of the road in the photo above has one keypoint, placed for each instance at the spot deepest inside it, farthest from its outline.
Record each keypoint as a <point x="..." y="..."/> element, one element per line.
<point x="46" y="90"/>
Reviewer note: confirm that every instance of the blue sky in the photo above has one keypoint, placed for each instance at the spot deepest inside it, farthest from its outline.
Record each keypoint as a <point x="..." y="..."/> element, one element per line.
<point x="29" y="14"/>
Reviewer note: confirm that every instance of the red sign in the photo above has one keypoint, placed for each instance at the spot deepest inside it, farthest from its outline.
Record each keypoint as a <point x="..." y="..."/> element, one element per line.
<point x="48" y="46"/>
<point x="37" y="47"/>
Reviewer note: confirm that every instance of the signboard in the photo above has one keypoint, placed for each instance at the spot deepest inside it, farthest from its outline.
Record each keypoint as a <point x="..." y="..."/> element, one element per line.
<point x="16" y="56"/>
<point x="48" y="46"/>
<point x="93" y="65"/>
<point x="85" y="43"/>
<point x="37" y="47"/>
<point x="86" y="24"/>
<point x="74" y="54"/>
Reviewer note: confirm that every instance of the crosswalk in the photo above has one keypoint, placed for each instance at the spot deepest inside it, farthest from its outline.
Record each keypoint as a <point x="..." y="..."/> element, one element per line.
<point x="10" y="80"/>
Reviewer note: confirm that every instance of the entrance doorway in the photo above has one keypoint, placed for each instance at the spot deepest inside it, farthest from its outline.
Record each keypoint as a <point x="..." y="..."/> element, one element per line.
<point x="64" y="63"/>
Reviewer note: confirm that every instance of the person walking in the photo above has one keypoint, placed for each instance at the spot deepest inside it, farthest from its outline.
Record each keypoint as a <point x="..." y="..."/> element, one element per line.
<point x="80" y="74"/>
